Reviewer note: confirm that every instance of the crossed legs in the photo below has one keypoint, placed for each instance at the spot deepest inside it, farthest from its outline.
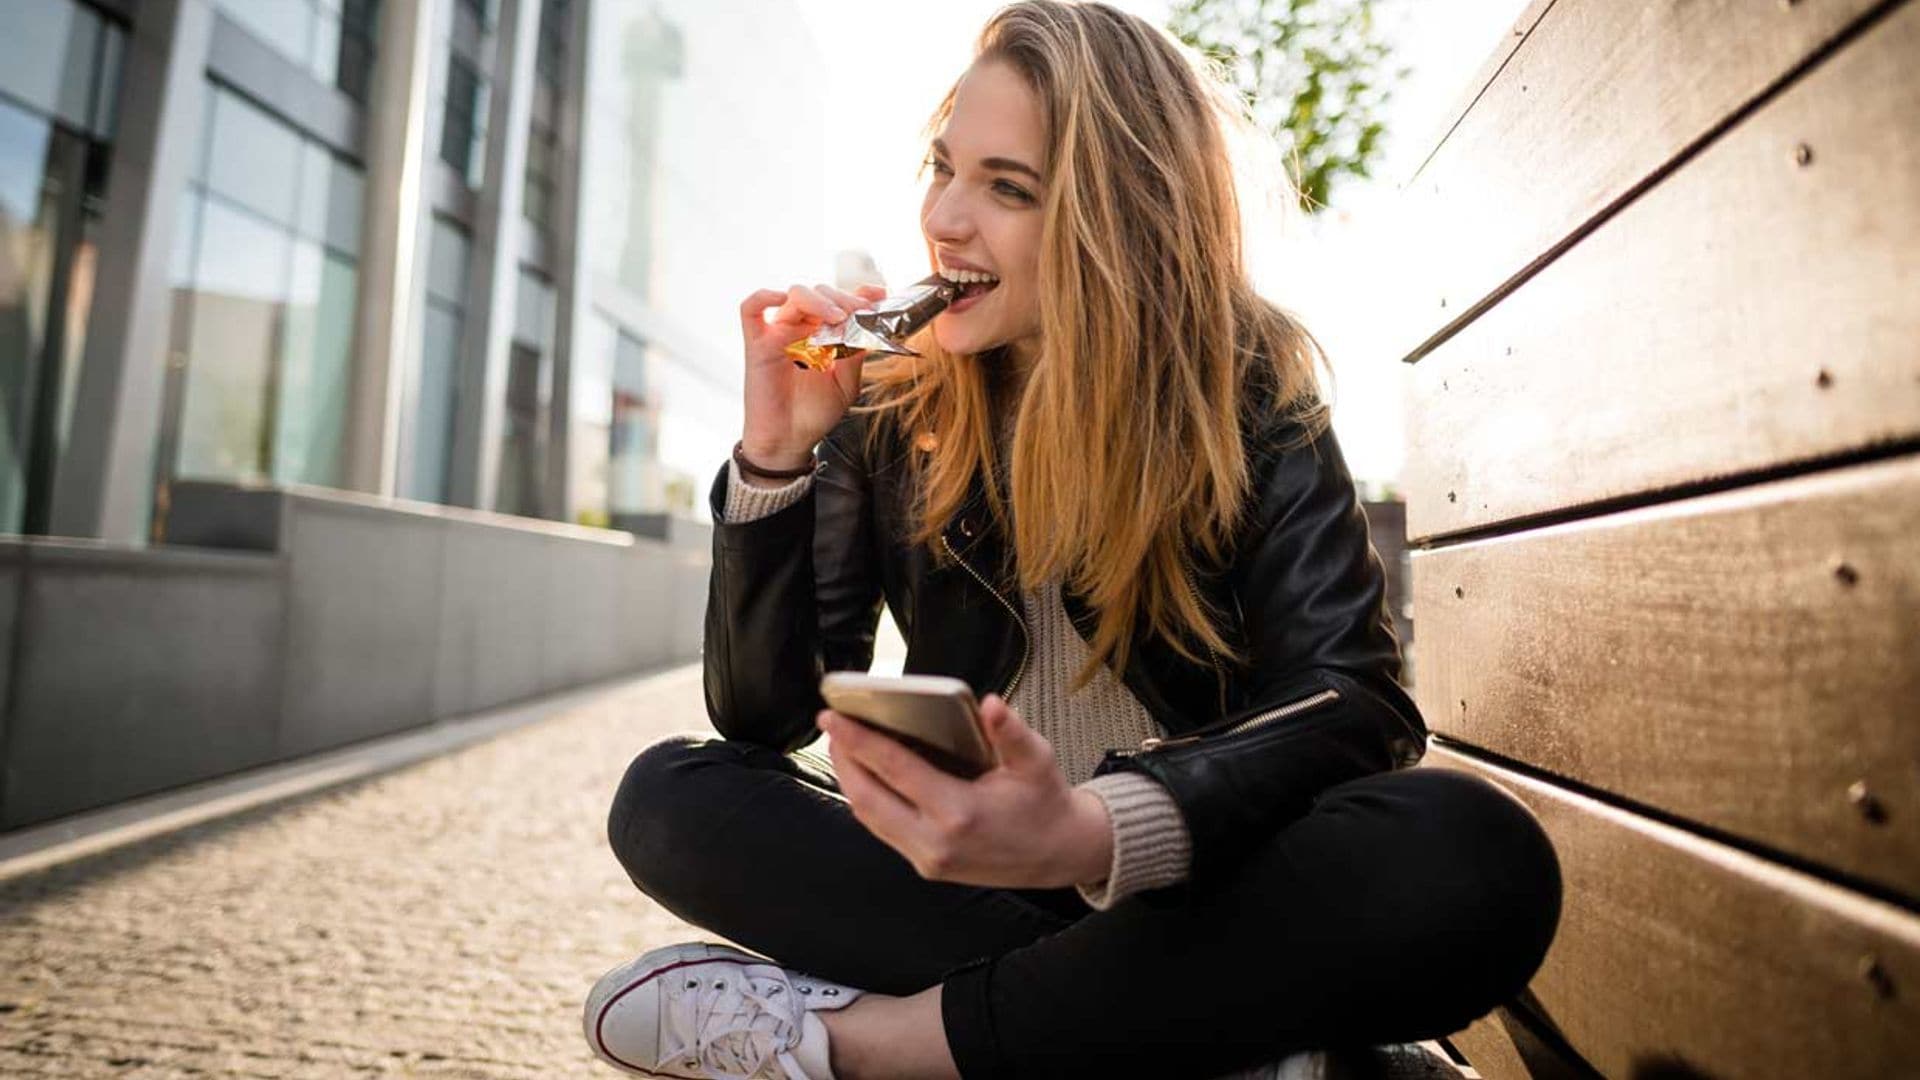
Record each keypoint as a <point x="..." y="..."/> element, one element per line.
<point x="1400" y="907"/>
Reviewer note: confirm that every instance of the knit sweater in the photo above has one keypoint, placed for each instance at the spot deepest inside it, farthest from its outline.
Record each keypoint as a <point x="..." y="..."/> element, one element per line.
<point x="1151" y="846"/>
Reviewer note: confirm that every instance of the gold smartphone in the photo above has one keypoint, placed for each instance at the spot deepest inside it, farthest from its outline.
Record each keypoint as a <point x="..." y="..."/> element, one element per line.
<point x="933" y="714"/>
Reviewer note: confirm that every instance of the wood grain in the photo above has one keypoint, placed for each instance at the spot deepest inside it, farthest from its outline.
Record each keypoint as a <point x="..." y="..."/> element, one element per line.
<point x="1677" y="956"/>
<point x="1600" y="95"/>
<point x="1490" y="68"/>
<point x="1748" y="312"/>
<point x="1741" y="659"/>
<point x="1503" y="1046"/>
<point x="1490" y="1050"/>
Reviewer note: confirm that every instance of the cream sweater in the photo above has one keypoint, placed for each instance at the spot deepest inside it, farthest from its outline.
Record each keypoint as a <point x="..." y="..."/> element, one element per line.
<point x="1151" y="847"/>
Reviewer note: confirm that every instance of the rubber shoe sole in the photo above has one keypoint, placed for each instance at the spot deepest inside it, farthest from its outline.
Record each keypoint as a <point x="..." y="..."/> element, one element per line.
<point x="629" y="994"/>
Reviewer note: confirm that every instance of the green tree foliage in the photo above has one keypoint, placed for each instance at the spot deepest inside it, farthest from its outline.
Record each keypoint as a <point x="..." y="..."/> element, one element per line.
<point x="1312" y="72"/>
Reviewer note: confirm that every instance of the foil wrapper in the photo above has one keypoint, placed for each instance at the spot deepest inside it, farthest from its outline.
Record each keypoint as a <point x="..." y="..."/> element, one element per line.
<point x="882" y="328"/>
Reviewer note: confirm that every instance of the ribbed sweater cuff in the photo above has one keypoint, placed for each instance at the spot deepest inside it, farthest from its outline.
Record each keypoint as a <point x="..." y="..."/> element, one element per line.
<point x="748" y="503"/>
<point x="1151" y="847"/>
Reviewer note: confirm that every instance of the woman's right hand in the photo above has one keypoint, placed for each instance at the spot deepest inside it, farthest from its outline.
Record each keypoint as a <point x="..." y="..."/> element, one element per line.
<point x="790" y="408"/>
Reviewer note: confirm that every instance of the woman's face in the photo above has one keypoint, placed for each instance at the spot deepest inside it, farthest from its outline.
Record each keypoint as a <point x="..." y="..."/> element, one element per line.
<point x="981" y="216"/>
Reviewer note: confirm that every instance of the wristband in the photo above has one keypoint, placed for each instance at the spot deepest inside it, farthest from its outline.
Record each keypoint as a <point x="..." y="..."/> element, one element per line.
<point x="740" y="459"/>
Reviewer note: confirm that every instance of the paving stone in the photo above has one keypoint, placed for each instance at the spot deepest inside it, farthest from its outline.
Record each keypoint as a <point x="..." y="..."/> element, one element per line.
<point x="442" y="921"/>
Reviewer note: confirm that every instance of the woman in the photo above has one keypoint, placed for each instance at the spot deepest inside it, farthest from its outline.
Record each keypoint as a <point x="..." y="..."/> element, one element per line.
<point x="1109" y="499"/>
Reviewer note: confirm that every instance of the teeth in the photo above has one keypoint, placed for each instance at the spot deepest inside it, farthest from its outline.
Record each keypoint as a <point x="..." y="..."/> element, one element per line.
<point x="966" y="277"/>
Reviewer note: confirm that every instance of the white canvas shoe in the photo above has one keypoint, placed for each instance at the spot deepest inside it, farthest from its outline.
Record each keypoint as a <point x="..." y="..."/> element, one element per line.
<point x="709" y="1012"/>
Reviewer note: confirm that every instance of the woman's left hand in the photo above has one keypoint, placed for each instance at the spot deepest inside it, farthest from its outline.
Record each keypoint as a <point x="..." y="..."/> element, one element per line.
<point x="1019" y="825"/>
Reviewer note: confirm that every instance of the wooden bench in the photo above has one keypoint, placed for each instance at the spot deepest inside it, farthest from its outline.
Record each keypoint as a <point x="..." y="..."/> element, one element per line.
<point x="1663" y="309"/>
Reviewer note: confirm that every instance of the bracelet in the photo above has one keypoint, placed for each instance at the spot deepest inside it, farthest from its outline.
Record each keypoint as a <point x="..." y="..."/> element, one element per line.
<point x="740" y="459"/>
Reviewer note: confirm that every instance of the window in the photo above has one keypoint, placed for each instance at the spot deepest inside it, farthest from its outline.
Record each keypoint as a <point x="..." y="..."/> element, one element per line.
<point x="56" y="59"/>
<point x="240" y="293"/>
<point x="551" y="61"/>
<point x="253" y="159"/>
<point x="432" y="415"/>
<point x="524" y="433"/>
<point x="333" y="39"/>
<point x="528" y="416"/>
<point x="316" y="366"/>
<point x="284" y="25"/>
<point x="267" y="282"/>
<point x="537" y="201"/>
<point x="358" y="24"/>
<point x="460" y="130"/>
<point x="429" y="433"/>
<point x="633" y="450"/>
<point x="59" y="67"/>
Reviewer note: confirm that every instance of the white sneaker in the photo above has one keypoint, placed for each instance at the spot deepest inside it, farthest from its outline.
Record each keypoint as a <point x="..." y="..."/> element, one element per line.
<point x="708" y="1012"/>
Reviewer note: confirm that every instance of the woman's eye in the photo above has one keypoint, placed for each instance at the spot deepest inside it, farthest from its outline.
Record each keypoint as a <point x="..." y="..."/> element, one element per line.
<point x="1013" y="191"/>
<point x="939" y="167"/>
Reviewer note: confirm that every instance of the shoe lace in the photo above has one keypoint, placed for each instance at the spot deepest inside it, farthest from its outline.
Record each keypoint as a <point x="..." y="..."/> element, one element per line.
<point x="735" y="1025"/>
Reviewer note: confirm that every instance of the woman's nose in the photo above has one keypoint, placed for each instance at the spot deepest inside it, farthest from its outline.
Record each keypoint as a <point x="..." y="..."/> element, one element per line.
<point x="946" y="219"/>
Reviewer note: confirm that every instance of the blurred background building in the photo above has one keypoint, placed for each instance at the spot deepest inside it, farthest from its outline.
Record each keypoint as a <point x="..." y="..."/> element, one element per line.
<point x="324" y="327"/>
<point x="454" y="251"/>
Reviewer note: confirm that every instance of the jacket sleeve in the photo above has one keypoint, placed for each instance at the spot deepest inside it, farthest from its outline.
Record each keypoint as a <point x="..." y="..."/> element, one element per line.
<point x="792" y="595"/>
<point x="1322" y="702"/>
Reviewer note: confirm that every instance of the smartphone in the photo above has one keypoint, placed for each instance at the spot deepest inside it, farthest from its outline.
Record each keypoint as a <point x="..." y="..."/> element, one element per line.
<point x="933" y="714"/>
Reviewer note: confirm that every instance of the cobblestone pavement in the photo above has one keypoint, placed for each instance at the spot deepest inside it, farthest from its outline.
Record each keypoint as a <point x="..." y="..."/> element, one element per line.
<point x="443" y="921"/>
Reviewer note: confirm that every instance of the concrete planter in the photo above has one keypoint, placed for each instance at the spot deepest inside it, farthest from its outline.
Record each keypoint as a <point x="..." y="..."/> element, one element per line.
<point x="322" y="618"/>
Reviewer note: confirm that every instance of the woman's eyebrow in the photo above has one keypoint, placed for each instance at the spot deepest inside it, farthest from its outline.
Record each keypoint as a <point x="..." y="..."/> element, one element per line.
<point x="1009" y="165"/>
<point x="999" y="164"/>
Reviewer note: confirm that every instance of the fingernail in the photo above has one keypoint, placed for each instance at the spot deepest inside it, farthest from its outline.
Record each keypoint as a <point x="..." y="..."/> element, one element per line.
<point x="835" y="314"/>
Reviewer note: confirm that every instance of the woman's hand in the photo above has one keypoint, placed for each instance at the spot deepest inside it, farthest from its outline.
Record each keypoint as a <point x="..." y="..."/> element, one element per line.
<point x="1020" y="825"/>
<point x="789" y="409"/>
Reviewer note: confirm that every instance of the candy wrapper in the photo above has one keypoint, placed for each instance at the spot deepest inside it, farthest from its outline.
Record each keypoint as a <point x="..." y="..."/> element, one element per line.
<point x="883" y="328"/>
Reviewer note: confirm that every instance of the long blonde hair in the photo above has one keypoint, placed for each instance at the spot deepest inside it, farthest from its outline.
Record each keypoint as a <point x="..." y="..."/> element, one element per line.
<point x="1127" y="460"/>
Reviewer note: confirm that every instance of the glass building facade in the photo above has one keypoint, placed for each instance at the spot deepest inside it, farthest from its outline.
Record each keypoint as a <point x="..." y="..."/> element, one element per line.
<point x="429" y="429"/>
<point x="332" y="39"/>
<point x="265" y="283"/>
<point x="507" y="281"/>
<point x="60" y="65"/>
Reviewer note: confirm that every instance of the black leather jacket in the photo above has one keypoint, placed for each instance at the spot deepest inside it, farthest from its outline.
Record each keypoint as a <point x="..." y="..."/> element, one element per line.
<point x="1249" y="747"/>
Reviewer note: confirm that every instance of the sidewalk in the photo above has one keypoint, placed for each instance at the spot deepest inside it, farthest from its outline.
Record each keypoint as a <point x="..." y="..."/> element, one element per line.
<point x="445" y="920"/>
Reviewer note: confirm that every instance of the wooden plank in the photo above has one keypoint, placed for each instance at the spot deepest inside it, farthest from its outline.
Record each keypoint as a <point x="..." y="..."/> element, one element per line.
<point x="1749" y="311"/>
<point x="1490" y="1050"/>
<point x="1503" y="1045"/>
<point x="1676" y="953"/>
<point x="1599" y="96"/>
<point x="1476" y="86"/>
<point x="1709" y="657"/>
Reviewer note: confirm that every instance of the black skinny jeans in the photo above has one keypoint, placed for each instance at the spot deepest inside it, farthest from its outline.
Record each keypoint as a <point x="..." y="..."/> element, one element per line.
<point x="1399" y="908"/>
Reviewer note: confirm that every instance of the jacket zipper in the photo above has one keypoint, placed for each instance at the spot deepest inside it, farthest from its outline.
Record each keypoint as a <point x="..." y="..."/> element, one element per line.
<point x="1026" y="638"/>
<point x="1253" y="723"/>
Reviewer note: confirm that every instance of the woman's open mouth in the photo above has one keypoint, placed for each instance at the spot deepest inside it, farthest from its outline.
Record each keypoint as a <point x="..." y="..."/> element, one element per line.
<point x="973" y="285"/>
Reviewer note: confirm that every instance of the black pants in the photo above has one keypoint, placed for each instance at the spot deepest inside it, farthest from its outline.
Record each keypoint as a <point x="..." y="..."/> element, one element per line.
<point x="1399" y="908"/>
